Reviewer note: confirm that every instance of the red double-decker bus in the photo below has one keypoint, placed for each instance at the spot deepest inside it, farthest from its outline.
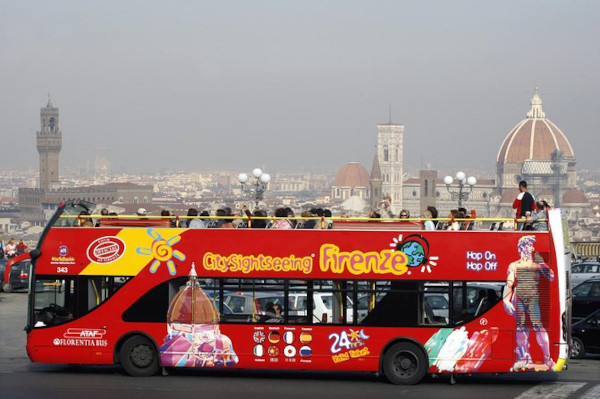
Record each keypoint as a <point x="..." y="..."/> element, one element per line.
<point x="384" y="297"/>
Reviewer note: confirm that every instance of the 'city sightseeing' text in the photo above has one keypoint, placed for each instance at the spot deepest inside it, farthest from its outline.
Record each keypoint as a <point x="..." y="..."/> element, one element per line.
<point x="251" y="263"/>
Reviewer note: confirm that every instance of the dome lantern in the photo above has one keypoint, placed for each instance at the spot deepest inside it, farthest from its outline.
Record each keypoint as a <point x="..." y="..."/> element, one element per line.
<point x="536" y="111"/>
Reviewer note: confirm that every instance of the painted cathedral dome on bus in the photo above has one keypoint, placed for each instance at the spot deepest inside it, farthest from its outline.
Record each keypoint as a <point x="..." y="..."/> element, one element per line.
<point x="535" y="138"/>
<point x="191" y="305"/>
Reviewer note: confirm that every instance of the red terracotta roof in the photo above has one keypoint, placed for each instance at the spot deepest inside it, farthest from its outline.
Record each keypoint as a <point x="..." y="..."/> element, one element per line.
<point x="353" y="174"/>
<point x="574" y="196"/>
<point x="534" y="139"/>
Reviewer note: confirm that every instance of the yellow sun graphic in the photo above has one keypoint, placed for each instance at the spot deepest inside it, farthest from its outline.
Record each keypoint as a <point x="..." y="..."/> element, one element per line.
<point x="162" y="251"/>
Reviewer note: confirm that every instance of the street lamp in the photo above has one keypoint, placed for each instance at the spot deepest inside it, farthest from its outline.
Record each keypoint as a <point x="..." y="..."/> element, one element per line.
<point x="460" y="195"/>
<point x="490" y="197"/>
<point x="255" y="190"/>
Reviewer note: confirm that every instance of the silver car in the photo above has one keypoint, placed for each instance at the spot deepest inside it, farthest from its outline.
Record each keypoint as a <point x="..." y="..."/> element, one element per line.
<point x="583" y="271"/>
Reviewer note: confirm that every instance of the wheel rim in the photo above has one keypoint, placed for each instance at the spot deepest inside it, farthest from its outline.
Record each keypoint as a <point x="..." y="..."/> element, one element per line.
<point x="576" y="349"/>
<point x="141" y="356"/>
<point x="405" y="364"/>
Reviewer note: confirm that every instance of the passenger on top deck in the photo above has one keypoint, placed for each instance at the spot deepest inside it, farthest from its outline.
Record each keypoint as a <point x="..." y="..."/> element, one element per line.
<point x="434" y="214"/>
<point x="85" y="221"/>
<point x="539" y="219"/>
<point x="427" y="224"/>
<point x="280" y="223"/>
<point x="452" y="224"/>
<point x="194" y="222"/>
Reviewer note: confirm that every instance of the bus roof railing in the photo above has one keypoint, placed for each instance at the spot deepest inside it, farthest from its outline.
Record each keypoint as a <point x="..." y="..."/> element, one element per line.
<point x="348" y="223"/>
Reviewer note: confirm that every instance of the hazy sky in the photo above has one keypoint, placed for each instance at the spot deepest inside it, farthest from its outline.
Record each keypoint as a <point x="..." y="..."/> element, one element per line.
<point x="292" y="85"/>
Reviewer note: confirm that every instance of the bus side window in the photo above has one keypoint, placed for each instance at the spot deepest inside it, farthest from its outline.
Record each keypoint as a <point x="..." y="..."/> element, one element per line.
<point x="472" y="299"/>
<point x="435" y="303"/>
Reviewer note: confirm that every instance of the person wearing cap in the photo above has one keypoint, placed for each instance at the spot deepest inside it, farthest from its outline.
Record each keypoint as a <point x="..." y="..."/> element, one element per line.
<point x="141" y="212"/>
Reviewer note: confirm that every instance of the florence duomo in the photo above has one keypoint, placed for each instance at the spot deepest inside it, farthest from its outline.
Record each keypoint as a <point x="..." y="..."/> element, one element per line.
<point x="535" y="150"/>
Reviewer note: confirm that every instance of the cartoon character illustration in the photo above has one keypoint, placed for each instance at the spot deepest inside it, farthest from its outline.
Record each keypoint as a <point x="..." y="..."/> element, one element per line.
<point x="193" y="337"/>
<point x="521" y="300"/>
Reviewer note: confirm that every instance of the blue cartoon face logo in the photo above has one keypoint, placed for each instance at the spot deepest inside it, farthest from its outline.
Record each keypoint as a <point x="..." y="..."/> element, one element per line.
<point x="416" y="249"/>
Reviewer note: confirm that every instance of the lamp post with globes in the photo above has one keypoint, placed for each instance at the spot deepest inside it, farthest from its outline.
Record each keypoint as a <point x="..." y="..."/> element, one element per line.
<point x="255" y="190"/>
<point x="460" y="195"/>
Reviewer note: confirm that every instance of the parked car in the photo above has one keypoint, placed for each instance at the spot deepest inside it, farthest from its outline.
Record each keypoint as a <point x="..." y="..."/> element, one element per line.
<point x="583" y="271"/>
<point x="586" y="336"/>
<point x="586" y="299"/>
<point x="19" y="275"/>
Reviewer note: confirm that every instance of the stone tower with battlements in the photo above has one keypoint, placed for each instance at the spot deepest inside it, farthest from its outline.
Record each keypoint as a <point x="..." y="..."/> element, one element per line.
<point x="49" y="144"/>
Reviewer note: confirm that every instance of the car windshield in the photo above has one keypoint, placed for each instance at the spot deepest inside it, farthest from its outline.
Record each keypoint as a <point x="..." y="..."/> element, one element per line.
<point x="582" y="289"/>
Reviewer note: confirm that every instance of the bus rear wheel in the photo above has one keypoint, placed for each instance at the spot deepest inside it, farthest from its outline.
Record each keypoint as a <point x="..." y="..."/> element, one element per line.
<point x="138" y="357"/>
<point x="404" y="363"/>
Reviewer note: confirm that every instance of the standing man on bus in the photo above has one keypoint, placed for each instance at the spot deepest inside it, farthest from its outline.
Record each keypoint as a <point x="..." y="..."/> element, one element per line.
<point x="521" y="300"/>
<point x="524" y="203"/>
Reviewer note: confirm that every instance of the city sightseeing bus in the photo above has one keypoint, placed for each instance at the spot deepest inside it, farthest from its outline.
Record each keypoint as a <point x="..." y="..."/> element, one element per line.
<point x="372" y="296"/>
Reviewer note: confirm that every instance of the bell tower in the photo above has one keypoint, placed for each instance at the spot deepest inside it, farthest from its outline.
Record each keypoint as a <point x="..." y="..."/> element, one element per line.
<point x="390" y="141"/>
<point x="49" y="144"/>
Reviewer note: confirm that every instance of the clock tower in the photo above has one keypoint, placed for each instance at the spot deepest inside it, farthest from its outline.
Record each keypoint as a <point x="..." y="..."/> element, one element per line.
<point x="49" y="144"/>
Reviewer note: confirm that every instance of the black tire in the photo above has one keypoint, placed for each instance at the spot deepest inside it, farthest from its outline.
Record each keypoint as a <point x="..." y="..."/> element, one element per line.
<point x="138" y="357"/>
<point x="577" y="349"/>
<point x="404" y="363"/>
<point x="7" y="287"/>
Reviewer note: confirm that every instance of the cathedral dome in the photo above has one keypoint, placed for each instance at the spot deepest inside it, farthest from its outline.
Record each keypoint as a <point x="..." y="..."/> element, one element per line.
<point x="534" y="138"/>
<point x="353" y="174"/>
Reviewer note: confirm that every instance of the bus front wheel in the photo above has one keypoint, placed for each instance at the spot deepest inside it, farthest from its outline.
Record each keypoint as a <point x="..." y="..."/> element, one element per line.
<point x="138" y="357"/>
<point x="404" y="363"/>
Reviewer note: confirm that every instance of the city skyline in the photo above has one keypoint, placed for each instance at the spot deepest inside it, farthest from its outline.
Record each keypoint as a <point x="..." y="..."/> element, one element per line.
<point x="294" y="86"/>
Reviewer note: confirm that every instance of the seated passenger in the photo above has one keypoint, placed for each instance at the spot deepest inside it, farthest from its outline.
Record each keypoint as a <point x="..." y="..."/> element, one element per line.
<point x="104" y="213"/>
<point x="374" y="215"/>
<point x="308" y="223"/>
<point x="427" y="223"/>
<point x="194" y="222"/>
<point x="277" y="316"/>
<point x="85" y="221"/>
<point x="281" y="222"/>
<point x="259" y="223"/>
<point x="453" y="224"/>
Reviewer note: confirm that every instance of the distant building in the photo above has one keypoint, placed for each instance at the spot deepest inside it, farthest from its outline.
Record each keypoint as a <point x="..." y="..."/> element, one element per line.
<point x="387" y="174"/>
<point x="37" y="204"/>
<point x="351" y="180"/>
<point x="49" y="144"/>
<point x="537" y="151"/>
